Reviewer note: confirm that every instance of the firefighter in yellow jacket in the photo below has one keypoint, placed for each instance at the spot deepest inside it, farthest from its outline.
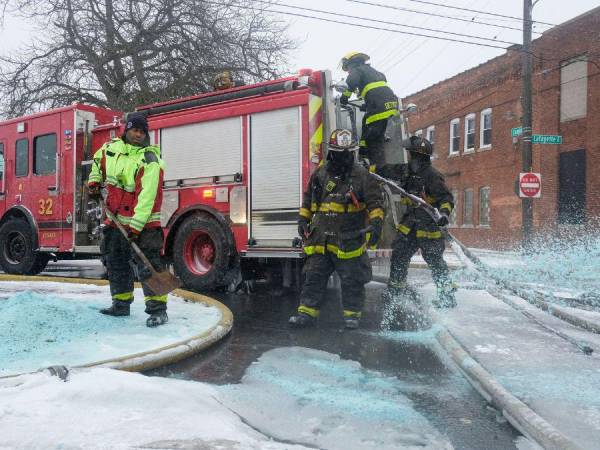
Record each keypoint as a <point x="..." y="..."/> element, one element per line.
<point x="341" y="215"/>
<point x="380" y="104"/>
<point x="132" y="173"/>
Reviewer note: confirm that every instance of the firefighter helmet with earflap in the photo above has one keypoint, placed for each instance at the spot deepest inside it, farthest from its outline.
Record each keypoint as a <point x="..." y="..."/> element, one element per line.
<point x="341" y="140"/>
<point x="417" y="144"/>
<point x="353" y="58"/>
<point x="222" y="81"/>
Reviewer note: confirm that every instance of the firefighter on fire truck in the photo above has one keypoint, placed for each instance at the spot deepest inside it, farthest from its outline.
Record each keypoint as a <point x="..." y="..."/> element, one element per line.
<point x="380" y="104"/>
<point x="132" y="172"/>
<point x="341" y="199"/>
<point x="416" y="229"/>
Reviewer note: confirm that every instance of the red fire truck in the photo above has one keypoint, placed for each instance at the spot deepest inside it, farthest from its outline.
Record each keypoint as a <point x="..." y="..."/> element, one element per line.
<point x="236" y="163"/>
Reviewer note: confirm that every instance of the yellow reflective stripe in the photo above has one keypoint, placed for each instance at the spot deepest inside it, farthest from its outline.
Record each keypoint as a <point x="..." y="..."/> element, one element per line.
<point x="312" y="312"/>
<point x="348" y="313"/>
<point x="382" y="116"/>
<point x="373" y="168"/>
<point x="314" y="249"/>
<point x="305" y="213"/>
<point x="316" y="140"/>
<point x="340" y="208"/>
<point x="362" y="143"/>
<point x="406" y="201"/>
<point x="447" y="206"/>
<point x="314" y="106"/>
<point x="94" y="178"/>
<point x="429" y="234"/>
<point x="124" y="220"/>
<point x="347" y="93"/>
<point x="373" y="85"/>
<point x="156" y="298"/>
<point x="124" y="296"/>
<point x="429" y="199"/>
<point x="403" y="228"/>
<point x="314" y="207"/>
<point x="376" y="213"/>
<point x="346" y="255"/>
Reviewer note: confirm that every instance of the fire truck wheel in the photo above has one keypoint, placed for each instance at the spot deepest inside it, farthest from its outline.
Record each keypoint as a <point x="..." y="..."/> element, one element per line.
<point x="200" y="253"/>
<point x="17" y="255"/>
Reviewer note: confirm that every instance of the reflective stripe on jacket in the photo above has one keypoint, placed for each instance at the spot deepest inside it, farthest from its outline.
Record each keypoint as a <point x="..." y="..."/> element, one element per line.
<point x="133" y="177"/>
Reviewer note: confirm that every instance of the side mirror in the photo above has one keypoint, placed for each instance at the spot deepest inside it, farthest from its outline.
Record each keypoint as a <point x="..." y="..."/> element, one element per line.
<point x="340" y="86"/>
<point x="410" y="108"/>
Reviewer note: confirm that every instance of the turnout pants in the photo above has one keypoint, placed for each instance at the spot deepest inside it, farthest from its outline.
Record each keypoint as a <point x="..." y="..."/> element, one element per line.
<point x="372" y="142"/>
<point x="354" y="273"/>
<point x="124" y="267"/>
<point x="405" y="246"/>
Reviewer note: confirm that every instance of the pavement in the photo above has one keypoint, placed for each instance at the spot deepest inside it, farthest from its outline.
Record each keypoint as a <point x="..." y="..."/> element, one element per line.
<point x="524" y="360"/>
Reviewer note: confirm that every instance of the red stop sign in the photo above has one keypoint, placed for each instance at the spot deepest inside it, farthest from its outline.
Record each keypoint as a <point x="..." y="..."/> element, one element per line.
<point x="530" y="184"/>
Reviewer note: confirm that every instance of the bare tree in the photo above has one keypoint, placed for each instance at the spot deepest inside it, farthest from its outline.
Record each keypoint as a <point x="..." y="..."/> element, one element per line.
<point x="122" y="53"/>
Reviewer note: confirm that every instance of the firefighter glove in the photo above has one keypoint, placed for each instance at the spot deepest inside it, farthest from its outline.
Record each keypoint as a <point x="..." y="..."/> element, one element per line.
<point x="344" y="100"/>
<point x="94" y="191"/>
<point x="133" y="234"/>
<point x="363" y="107"/>
<point x="303" y="227"/>
<point x="376" y="229"/>
<point x="443" y="220"/>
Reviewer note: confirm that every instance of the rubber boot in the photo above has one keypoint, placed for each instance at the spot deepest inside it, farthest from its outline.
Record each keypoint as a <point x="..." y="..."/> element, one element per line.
<point x="351" y="323"/>
<point x="118" y="308"/>
<point x="302" y="320"/>
<point x="158" y="313"/>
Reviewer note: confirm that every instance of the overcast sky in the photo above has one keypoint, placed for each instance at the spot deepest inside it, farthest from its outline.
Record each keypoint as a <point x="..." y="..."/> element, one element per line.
<point x="410" y="62"/>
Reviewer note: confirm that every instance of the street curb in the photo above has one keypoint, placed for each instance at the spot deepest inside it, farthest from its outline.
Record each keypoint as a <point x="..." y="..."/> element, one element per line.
<point x="521" y="416"/>
<point x="162" y="356"/>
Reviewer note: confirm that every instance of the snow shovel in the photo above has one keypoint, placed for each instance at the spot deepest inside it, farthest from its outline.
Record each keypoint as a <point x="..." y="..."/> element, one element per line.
<point x="161" y="283"/>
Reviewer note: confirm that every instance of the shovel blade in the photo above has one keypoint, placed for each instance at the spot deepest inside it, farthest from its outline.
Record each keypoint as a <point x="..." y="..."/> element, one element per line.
<point x="162" y="283"/>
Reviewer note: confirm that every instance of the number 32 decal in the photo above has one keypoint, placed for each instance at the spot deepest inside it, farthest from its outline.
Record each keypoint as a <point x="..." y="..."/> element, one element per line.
<point x="45" y="207"/>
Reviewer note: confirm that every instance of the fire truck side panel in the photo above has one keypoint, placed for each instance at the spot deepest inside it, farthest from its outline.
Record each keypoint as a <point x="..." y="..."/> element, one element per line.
<point x="275" y="176"/>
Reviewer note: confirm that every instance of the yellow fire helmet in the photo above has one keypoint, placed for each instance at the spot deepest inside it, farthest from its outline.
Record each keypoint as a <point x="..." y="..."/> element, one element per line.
<point x="341" y="140"/>
<point x="352" y="57"/>
<point x="223" y="81"/>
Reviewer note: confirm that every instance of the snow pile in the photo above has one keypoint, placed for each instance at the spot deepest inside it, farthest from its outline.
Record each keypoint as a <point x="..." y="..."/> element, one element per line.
<point x="315" y="398"/>
<point x="47" y="324"/>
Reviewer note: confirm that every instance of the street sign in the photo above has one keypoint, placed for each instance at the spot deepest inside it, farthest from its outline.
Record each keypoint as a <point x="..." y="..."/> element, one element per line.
<point x="516" y="131"/>
<point x="546" y="139"/>
<point x="530" y="185"/>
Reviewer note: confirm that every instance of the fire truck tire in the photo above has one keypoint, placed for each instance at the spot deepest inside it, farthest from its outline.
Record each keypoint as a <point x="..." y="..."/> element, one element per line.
<point x="17" y="254"/>
<point x="201" y="256"/>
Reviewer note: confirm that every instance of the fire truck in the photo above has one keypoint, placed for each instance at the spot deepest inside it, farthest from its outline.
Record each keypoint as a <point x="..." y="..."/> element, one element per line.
<point x="236" y="164"/>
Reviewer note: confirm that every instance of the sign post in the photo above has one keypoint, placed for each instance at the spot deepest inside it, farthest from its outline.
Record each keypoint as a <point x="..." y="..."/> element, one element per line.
<point x="530" y="185"/>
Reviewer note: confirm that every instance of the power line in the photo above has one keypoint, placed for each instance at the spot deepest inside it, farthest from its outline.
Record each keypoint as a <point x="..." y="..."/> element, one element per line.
<point x="371" y="27"/>
<point x="478" y="12"/>
<point x="385" y="22"/>
<point x="400" y="8"/>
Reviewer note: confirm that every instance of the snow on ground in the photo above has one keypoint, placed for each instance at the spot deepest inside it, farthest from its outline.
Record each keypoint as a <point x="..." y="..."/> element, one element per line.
<point x="48" y="323"/>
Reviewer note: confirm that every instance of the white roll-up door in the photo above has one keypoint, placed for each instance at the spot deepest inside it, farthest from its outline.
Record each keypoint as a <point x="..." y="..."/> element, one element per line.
<point x="204" y="149"/>
<point x="275" y="176"/>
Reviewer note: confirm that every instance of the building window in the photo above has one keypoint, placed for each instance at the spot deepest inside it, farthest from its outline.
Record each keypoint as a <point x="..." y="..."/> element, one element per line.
<point x="419" y="133"/>
<point x="484" y="206"/>
<point x="44" y="154"/>
<point x="454" y="137"/>
<point x="468" y="207"/>
<point x="22" y="158"/>
<point x="470" y="133"/>
<point x="572" y="192"/>
<point x="431" y="138"/>
<point x="573" y="89"/>
<point x="452" y="218"/>
<point x="485" y="130"/>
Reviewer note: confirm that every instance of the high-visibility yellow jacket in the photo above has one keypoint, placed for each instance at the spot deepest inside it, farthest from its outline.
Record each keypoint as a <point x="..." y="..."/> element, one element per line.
<point x="133" y="176"/>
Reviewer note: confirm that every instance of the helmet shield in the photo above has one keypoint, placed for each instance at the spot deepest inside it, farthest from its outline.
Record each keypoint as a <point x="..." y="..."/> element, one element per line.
<point x="417" y="144"/>
<point x="342" y="139"/>
<point x="352" y="58"/>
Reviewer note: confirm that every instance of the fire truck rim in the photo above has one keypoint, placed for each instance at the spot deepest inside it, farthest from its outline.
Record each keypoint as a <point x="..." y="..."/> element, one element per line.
<point x="15" y="248"/>
<point x="199" y="252"/>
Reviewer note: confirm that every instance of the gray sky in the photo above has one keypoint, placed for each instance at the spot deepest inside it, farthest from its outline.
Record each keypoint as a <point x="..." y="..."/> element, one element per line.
<point x="410" y="62"/>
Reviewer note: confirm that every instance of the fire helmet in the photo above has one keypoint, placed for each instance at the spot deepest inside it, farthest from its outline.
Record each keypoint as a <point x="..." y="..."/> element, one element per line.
<point x="340" y="140"/>
<point x="417" y="144"/>
<point x="353" y="58"/>
<point x="222" y="81"/>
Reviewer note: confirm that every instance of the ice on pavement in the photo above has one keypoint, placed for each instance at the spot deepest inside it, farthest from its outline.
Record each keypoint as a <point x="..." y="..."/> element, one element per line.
<point x="315" y="398"/>
<point x="48" y="323"/>
<point x="109" y="409"/>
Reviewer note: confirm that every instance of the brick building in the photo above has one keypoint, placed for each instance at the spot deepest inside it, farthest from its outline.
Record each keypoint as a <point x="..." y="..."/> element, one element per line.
<point x="469" y="118"/>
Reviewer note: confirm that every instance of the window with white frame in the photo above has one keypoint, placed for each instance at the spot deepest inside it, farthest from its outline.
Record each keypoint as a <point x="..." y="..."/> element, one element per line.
<point x="484" y="206"/>
<point x="470" y="133"/>
<point x="431" y="138"/>
<point x="452" y="218"/>
<point x="468" y="207"/>
<point x="419" y="133"/>
<point x="454" y="137"/>
<point x="485" y="128"/>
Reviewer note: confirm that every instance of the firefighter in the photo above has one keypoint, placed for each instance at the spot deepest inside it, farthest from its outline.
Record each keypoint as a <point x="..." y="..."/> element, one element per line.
<point x="341" y="215"/>
<point x="380" y="104"/>
<point x="224" y="80"/>
<point x="417" y="230"/>
<point x="132" y="173"/>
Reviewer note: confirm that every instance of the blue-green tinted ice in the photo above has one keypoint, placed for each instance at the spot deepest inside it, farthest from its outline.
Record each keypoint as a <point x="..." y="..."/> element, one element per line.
<point x="52" y="323"/>
<point x="322" y="400"/>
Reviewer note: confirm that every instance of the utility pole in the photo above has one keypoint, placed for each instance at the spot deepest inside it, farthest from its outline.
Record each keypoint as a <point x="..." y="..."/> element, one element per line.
<point x="526" y="119"/>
